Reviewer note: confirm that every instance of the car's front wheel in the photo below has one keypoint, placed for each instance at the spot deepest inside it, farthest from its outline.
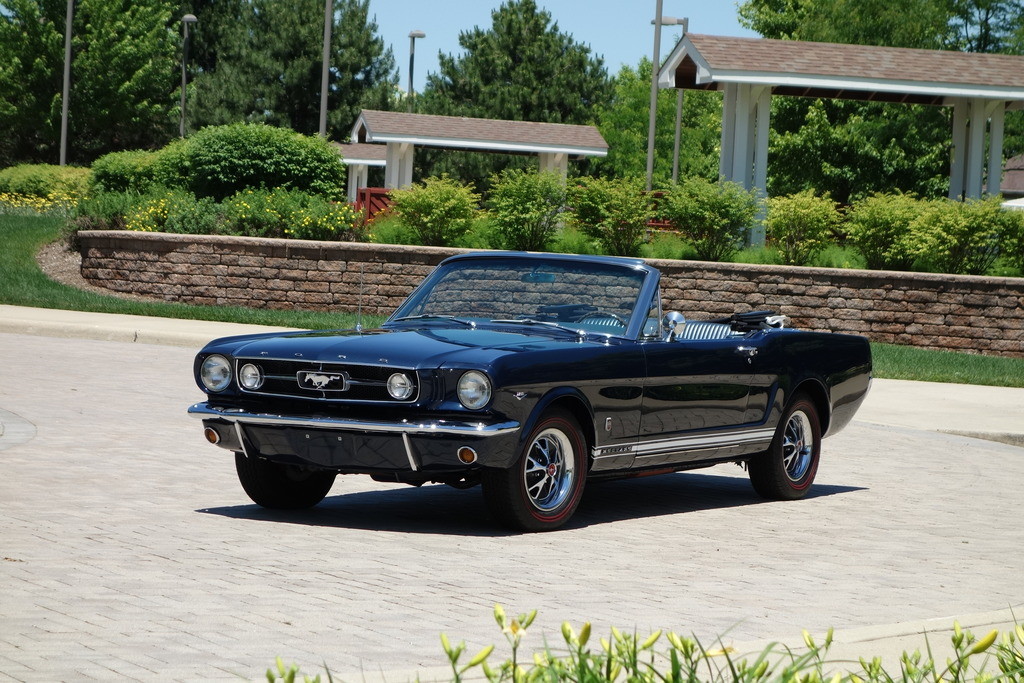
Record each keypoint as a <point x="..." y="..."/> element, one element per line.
<point x="541" y="490"/>
<point x="282" y="487"/>
<point x="787" y="470"/>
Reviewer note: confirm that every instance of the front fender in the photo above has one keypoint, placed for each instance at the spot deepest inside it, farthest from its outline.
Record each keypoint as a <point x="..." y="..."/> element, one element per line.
<point x="573" y="400"/>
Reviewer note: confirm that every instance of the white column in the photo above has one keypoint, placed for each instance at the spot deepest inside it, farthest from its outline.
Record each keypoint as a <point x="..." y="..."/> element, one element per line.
<point x="760" y="183"/>
<point x="357" y="177"/>
<point x="398" y="172"/>
<point x="393" y="167"/>
<point x="995" y="147"/>
<point x="555" y="162"/>
<point x="725" y="155"/>
<point x="975" y="149"/>
<point x="405" y="177"/>
<point x="956" y="164"/>
<point x="743" y="137"/>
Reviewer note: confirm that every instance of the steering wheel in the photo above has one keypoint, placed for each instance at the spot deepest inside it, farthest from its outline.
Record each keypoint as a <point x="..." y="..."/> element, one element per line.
<point x="604" y="314"/>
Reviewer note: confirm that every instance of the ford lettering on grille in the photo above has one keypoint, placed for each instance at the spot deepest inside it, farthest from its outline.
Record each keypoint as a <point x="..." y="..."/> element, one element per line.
<point x="323" y="381"/>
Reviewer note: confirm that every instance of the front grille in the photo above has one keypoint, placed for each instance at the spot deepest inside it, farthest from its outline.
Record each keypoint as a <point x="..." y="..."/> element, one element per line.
<point x="326" y="381"/>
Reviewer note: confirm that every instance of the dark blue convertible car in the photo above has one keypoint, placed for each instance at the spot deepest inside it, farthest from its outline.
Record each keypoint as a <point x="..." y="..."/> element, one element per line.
<point x="529" y="374"/>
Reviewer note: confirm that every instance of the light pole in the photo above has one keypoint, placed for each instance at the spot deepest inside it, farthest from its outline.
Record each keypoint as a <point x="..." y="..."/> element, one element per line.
<point x="413" y="35"/>
<point x="328" y="24"/>
<point x="185" y="21"/>
<point x="685" y="23"/>
<point x="66" y="93"/>
<point x="658" y="22"/>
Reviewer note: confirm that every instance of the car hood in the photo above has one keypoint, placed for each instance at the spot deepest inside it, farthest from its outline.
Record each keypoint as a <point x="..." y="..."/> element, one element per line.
<point x="409" y="348"/>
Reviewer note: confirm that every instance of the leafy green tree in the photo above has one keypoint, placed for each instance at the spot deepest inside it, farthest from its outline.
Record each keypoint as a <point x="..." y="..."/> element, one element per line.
<point x="123" y="74"/>
<point x="612" y="211"/>
<point x="623" y="124"/>
<point x="522" y="68"/>
<point x="266" y="63"/>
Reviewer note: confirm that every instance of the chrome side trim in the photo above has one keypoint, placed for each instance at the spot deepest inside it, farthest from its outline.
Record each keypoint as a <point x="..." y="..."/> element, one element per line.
<point x="236" y="415"/>
<point x="686" y="443"/>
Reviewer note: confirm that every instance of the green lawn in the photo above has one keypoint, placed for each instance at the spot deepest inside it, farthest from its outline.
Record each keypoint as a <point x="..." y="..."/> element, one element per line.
<point x="23" y="284"/>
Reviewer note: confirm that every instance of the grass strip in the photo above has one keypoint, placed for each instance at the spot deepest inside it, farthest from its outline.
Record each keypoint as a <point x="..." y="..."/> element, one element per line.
<point x="22" y="283"/>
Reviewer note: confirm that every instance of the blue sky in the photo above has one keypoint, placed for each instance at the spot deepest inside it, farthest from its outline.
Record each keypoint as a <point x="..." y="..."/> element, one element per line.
<point x="618" y="30"/>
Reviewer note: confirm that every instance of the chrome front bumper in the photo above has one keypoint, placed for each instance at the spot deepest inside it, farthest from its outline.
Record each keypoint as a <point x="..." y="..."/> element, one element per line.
<point x="205" y="411"/>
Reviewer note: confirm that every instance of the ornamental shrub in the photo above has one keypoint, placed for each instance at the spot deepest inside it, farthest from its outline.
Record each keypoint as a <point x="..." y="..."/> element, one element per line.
<point x="438" y="210"/>
<point x="961" y="237"/>
<point x="879" y="227"/>
<point x="714" y="216"/>
<point x="45" y="180"/>
<point x="614" y="212"/>
<point x="288" y="214"/>
<point x="525" y="208"/>
<point x="131" y="171"/>
<point x="800" y="225"/>
<point x="1014" y="238"/>
<point x="220" y="161"/>
<point x="172" y="211"/>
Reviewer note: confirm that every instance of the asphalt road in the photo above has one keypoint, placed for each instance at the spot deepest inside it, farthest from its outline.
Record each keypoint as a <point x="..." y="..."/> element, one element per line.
<point x="128" y="549"/>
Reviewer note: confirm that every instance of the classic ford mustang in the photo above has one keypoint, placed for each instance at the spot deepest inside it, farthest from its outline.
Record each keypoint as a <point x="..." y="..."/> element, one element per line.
<point x="529" y="374"/>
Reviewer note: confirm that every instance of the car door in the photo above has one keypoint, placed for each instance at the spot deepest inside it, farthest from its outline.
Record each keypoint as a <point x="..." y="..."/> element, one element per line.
<point x="694" y="399"/>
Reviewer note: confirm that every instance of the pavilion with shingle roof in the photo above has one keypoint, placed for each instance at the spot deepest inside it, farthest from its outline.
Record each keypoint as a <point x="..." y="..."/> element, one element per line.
<point x="397" y="134"/>
<point x="979" y="87"/>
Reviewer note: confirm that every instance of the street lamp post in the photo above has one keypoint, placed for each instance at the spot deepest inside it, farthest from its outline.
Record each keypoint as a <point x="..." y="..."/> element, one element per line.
<point x="185" y="21"/>
<point x="66" y="92"/>
<point x="325" y="71"/>
<point x="413" y="35"/>
<point x="658" y="22"/>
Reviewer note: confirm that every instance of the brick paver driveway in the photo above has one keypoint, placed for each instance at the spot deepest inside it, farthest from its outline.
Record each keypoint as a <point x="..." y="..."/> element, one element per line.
<point x="129" y="549"/>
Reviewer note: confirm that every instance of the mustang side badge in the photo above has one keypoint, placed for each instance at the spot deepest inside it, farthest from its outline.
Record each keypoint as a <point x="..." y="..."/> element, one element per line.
<point x="322" y="381"/>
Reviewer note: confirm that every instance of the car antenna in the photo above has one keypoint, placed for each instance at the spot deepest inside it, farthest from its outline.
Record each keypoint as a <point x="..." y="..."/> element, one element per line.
<point x="359" y="304"/>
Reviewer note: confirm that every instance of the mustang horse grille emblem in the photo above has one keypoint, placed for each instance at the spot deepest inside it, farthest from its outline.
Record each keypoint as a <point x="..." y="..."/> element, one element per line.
<point x="324" y="381"/>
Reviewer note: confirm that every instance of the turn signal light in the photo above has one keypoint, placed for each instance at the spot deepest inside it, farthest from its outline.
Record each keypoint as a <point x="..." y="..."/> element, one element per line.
<point x="467" y="455"/>
<point x="211" y="435"/>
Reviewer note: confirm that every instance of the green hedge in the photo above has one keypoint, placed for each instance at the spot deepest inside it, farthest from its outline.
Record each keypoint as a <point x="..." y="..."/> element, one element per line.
<point x="45" y="181"/>
<point x="220" y="161"/>
<point x="131" y="171"/>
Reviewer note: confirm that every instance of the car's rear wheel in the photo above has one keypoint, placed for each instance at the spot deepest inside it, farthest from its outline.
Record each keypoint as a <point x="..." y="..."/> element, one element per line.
<point x="542" y="489"/>
<point x="282" y="487"/>
<point x="787" y="470"/>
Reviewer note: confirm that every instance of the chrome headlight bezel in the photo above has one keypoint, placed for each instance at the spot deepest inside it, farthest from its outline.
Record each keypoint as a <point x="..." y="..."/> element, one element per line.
<point x="401" y="387"/>
<point x="215" y="373"/>
<point x="474" y="390"/>
<point x="250" y="377"/>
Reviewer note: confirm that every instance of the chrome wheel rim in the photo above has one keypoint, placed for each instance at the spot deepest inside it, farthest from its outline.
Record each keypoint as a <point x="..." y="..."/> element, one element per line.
<point x="550" y="470"/>
<point x="797" y="446"/>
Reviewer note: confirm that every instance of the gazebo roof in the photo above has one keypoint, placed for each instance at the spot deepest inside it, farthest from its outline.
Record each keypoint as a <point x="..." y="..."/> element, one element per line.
<point x="362" y="153"/>
<point x="861" y="72"/>
<point x="459" y="132"/>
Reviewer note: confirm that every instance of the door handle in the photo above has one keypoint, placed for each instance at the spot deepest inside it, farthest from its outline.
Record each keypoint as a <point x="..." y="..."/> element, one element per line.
<point x="748" y="351"/>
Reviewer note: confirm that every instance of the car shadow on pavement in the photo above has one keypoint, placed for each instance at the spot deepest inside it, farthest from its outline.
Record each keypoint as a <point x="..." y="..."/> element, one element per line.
<point x="443" y="510"/>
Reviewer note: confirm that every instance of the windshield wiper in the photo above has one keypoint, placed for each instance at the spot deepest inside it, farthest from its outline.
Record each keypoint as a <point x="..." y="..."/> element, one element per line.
<point x="431" y="316"/>
<point x="544" y="323"/>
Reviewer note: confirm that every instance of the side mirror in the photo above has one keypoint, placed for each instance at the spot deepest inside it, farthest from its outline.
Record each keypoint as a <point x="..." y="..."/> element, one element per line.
<point x="673" y="324"/>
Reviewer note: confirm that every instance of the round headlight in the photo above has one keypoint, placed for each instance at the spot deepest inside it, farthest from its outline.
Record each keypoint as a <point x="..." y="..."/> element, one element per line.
<point x="250" y="377"/>
<point x="474" y="390"/>
<point x="400" y="386"/>
<point x="216" y="373"/>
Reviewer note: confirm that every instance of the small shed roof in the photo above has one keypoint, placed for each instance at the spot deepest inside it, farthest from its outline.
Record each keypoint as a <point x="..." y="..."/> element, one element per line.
<point x="863" y="72"/>
<point x="459" y="132"/>
<point x="362" y="153"/>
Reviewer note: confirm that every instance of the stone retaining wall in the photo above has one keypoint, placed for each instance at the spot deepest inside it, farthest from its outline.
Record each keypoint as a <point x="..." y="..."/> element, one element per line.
<point x="953" y="312"/>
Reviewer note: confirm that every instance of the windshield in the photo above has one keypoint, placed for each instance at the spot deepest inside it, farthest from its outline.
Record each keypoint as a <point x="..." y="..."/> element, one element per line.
<point x="593" y="296"/>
